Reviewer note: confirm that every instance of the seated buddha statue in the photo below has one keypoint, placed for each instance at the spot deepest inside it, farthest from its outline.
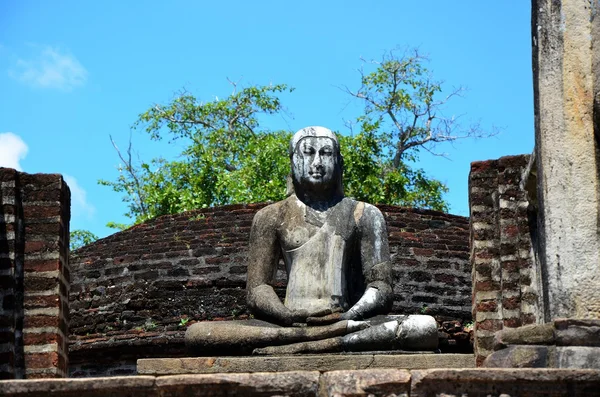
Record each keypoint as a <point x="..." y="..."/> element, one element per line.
<point x="336" y="254"/>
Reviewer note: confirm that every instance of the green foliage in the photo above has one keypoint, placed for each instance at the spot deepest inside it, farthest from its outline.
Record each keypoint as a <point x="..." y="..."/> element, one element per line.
<point x="80" y="237"/>
<point x="369" y="176"/>
<point x="227" y="160"/>
<point x="230" y="157"/>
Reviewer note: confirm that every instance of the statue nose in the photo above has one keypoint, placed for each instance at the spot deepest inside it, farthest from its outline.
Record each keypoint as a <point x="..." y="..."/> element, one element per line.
<point x="317" y="161"/>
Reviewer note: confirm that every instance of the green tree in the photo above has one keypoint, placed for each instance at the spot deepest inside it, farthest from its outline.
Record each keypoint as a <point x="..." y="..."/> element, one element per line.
<point x="229" y="157"/>
<point x="79" y="238"/>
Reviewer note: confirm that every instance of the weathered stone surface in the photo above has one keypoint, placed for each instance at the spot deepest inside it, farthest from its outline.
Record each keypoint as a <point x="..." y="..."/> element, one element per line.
<point x="240" y="337"/>
<point x="534" y="334"/>
<point x="504" y="382"/>
<point x="302" y="383"/>
<point x="578" y="357"/>
<point x="521" y="356"/>
<point x="93" y="387"/>
<point x="370" y="382"/>
<point x="337" y="257"/>
<point x="419" y="361"/>
<point x="576" y="332"/>
<point x="322" y="362"/>
<point x="567" y="152"/>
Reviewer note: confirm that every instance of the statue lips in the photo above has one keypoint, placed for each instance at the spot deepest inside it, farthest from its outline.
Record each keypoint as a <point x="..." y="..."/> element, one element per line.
<point x="317" y="175"/>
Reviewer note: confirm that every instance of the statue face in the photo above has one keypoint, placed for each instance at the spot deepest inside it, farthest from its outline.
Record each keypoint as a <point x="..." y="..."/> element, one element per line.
<point x="315" y="162"/>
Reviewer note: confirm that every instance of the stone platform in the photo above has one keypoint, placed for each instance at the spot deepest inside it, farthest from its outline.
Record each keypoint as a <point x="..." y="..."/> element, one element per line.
<point x="321" y="363"/>
<point x="367" y="382"/>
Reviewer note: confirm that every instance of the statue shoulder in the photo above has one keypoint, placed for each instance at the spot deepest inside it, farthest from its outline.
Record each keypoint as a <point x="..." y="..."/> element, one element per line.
<point x="368" y="216"/>
<point x="272" y="214"/>
<point x="268" y="214"/>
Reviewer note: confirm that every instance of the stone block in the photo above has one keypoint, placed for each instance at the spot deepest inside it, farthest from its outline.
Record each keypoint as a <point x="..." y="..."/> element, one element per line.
<point x="96" y="387"/>
<point x="521" y="356"/>
<point x="370" y="382"/>
<point x="578" y="357"/>
<point x="322" y="362"/>
<point x="577" y="332"/>
<point x="301" y="383"/>
<point x="534" y="334"/>
<point x="504" y="382"/>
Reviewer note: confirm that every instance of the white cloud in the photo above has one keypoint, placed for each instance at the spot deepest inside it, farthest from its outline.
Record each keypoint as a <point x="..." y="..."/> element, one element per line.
<point x="79" y="204"/>
<point x="12" y="150"/>
<point x="50" y="69"/>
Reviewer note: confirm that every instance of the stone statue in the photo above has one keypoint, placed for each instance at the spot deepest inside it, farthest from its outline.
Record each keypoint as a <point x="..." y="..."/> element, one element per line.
<point x="336" y="254"/>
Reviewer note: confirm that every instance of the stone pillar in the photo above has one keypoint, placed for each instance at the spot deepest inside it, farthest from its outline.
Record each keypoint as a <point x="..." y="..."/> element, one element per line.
<point x="34" y="274"/>
<point x="566" y="53"/>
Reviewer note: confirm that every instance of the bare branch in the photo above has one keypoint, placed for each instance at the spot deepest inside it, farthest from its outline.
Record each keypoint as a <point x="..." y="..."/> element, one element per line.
<point x="132" y="173"/>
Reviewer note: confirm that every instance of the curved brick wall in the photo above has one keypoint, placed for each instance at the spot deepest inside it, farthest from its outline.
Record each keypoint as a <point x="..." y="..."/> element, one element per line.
<point x="130" y="291"/>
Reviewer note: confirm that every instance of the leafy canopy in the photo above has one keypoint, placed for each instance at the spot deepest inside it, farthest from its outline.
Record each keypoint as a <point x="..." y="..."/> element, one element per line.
<point x="231" y="157"/>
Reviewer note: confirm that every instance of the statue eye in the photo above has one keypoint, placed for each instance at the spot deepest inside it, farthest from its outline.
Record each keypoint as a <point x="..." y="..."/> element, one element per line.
<point x="308" y="151"/>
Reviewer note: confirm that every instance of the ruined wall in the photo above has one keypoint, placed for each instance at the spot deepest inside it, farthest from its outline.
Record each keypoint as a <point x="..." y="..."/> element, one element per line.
<point x="34" y="275"/>
<point x="134" y="293"/>
<point x="506" y="285"/>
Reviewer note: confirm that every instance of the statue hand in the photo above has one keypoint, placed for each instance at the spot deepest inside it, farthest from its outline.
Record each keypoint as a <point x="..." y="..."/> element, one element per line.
<point x="299" y="316"/>
<point x="324" y="320"/>
<point x="349" y="315"/>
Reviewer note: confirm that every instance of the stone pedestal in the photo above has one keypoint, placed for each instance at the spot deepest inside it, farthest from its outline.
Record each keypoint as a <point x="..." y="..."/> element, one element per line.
<point x="321" y="362"/>
<point x="564" y="343"/>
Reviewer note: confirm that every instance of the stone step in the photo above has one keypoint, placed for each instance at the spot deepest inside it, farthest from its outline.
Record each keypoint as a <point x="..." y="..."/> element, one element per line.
<point x="322" y="362"/>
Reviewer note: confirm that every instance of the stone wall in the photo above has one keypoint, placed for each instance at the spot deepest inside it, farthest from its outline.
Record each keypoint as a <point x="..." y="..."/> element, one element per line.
<point x="506" y="284"/>
<point x="134" y="293"/>
<point x="34" y="274"/>
<point x="368" y="382"/>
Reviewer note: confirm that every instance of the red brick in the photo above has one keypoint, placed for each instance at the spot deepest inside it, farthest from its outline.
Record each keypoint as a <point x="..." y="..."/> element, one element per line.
<point x="423" y="252"/>
<point x="38" y="284"/>
<point x="528" y="318"/>
<point x="511" y="303"/>
<point x="32" y="302"/>
<point x="487" y="286"/>
<point x="42" y="339"/>
<point x="512" y="322"/>
<point x="487" y="306"/>
<point x="445" y="278"/>
<point x="510" y="266"/>
<point x="481" y="166"/>
<point x="40" y="321"/>
<point x="41" y="211"/>
<point x="41" y="360"/>
<point x="41" y="265"/>
<point x="490" y="325"/>
<point x="40" y="246"/>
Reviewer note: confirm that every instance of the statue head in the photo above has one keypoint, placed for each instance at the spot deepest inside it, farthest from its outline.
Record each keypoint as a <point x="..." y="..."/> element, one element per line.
<point x="317" y="163"/>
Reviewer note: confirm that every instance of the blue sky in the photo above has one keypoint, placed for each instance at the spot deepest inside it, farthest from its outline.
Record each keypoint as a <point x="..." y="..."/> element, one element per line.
<point x="73" y="72"/>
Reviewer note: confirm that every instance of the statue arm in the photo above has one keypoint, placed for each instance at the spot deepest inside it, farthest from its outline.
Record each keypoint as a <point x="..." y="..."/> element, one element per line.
<point x="376" y="264"/>
<point x="262" y="266"/>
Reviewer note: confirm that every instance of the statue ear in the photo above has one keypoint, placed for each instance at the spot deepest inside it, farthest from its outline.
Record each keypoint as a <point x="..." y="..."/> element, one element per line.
<point x="289" y="185"/>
